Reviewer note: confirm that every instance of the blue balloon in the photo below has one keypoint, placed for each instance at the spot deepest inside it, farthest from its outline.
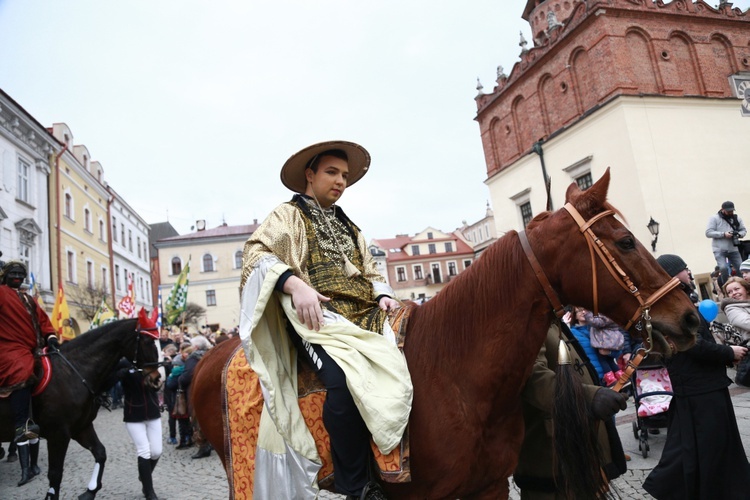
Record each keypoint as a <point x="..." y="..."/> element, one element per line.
<point x="708" y="309"/>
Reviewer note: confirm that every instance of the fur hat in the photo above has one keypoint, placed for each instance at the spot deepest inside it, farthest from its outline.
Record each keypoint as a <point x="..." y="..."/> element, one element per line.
<point x="672" y="264"/>
<point x="146" y="325"/>
<point x="293" y="171"/>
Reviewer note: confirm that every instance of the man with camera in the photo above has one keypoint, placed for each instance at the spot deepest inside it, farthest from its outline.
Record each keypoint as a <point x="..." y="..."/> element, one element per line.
<point x="726" y="229"/>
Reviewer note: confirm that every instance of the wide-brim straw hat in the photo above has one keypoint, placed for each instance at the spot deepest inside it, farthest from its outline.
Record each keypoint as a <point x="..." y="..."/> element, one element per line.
<point x="293" y="171"/>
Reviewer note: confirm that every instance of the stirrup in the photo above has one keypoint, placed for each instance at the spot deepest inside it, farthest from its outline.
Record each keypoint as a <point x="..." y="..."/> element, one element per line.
<point x="29" y="431"/>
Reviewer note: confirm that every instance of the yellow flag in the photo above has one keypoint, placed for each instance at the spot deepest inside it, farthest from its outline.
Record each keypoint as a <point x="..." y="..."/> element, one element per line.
<point x="61" y="317"/>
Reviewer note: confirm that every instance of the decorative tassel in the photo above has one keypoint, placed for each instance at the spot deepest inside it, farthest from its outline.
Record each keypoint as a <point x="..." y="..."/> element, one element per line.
<point x="351" y="269"/>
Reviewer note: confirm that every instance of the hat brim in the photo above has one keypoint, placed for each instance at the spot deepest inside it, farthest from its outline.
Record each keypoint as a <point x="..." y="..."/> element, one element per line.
<point x="293" y="171"/>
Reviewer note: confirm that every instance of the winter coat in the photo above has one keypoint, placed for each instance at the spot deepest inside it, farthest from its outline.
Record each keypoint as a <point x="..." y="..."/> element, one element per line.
<point x="703" y="456"/>
<point x="140" y="401"/>
<point x="535" y="464"/>
<point x="582" y="334"/>
<point x="738" y="315"/>
<point x="716" y="228"/>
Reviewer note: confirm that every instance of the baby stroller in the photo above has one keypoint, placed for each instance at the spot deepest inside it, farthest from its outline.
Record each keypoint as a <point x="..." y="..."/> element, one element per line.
<point x="653" y="393"/>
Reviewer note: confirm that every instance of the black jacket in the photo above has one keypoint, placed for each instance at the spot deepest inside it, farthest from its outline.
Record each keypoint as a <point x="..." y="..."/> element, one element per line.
<point x="141" y="402"/>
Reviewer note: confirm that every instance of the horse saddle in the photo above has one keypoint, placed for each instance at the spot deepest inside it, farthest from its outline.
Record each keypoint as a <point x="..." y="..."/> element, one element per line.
<point x="39" y="380"/>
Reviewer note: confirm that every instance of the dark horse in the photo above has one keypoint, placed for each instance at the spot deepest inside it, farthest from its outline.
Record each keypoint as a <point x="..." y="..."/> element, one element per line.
<point x="471" y="348"/>
<point x="68" y="406"/>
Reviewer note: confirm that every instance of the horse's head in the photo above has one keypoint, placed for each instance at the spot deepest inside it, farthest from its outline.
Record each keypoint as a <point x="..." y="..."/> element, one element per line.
<point x="625" y="284"/>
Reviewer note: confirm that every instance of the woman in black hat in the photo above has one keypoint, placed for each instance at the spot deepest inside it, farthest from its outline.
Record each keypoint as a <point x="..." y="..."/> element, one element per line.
<point x="703" y="457"/>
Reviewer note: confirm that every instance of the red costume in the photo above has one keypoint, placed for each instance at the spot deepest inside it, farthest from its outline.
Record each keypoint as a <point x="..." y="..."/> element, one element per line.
<point x="18" y="336"/>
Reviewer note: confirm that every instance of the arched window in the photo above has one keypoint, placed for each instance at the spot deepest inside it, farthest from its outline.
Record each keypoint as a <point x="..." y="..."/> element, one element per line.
<point x="176" y="266"/>
<point x="208" y="263"/>
<point x="238" y="259"/>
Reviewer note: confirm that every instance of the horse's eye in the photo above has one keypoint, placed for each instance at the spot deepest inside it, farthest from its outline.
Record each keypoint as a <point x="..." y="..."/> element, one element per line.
<point x="626" y="243"/>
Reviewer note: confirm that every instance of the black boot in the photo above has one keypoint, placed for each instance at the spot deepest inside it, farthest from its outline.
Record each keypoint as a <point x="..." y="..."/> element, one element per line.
<point x="12" y="454"/>
<point x="154" y="461"/>
<point x="33" y="457"/>
<point x="185" y="442"/>
<point x="144" y="474"/>
<point x="204" y="451"/>
<point x="24" y="460"/>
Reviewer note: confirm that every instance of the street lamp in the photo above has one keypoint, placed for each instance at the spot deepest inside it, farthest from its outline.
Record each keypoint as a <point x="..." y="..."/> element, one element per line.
<point x="653" y="228"/>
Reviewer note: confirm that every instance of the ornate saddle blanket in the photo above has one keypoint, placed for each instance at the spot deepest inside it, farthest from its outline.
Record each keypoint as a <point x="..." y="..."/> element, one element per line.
<point x="40" y="379"/>
<point x="241" y="410"/>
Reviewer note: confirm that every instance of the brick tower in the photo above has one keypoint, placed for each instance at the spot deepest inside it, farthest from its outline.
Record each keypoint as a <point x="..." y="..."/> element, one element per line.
<point x="644" y="86"/>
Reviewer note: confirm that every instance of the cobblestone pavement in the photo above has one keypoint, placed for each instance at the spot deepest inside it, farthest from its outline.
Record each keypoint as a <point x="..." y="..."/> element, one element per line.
<point x="179" y="477"/>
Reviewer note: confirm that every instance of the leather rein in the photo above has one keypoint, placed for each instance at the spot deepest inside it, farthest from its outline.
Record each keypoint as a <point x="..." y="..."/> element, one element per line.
<point x="597" y="248"/>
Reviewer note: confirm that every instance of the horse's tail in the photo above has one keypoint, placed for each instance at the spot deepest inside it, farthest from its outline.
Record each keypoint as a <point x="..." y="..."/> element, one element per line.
<point x="578" y="456"/>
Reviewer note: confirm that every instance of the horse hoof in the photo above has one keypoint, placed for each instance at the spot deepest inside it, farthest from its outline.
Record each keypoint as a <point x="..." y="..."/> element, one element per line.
<point x="87" y="495"/>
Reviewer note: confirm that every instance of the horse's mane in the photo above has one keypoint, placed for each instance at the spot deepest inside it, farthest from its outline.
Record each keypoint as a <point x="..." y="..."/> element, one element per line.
<point x="490" y="282"/>
<point x="88" y="338"/>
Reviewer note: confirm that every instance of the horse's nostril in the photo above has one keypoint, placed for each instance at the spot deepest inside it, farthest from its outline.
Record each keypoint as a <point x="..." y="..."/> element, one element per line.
<point x="690" y="321"/>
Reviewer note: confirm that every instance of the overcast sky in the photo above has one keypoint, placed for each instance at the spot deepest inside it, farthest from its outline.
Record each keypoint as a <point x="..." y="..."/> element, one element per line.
<point x="192" y="107"/>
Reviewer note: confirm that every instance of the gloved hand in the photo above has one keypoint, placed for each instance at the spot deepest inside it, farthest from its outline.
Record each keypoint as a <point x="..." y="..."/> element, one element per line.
<point x="53" y="343"/>
<point x="606" y="403"/>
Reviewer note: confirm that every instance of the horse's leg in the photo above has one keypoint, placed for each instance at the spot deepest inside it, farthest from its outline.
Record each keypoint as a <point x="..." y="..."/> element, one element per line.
<point x="89" y="440"/>
<point x="57" y="448"/>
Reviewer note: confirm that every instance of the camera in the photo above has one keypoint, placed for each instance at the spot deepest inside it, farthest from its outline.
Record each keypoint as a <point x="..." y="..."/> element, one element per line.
<point x="736" y="238"/>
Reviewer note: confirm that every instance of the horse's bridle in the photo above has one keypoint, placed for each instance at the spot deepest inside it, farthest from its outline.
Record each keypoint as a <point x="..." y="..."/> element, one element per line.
<point x="596" y="246"/>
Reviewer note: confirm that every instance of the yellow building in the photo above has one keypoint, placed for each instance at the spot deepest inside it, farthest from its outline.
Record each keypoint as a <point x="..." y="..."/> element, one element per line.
<point x="79" y="224"/>
<point x="215" y="257"/>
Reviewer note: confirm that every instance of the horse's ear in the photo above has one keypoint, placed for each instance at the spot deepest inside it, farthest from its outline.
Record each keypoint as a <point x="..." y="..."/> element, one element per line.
<point x="591" y="200"/>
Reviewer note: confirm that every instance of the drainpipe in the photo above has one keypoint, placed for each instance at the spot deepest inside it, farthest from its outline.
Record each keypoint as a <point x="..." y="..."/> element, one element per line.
<point x="537" y="148"/>
<point x="110" y="198"/>
<point x="59" y="220"/>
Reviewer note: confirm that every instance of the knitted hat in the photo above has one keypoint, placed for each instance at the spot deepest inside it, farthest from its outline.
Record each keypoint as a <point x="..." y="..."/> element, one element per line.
<point x="728" y="206"/>
<point x="745" y="266"/>
<point x="672" y="264"/>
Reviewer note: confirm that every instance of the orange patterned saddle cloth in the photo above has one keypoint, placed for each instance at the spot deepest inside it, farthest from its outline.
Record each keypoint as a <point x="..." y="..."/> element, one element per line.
<point x="242" y="406"/>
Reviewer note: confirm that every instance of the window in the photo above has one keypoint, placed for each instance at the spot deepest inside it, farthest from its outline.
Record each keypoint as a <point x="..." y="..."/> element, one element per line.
<point x="418" y="272"/>
<point x="584" y="182"/>
<point x="176" y="266"/>
<point x="526" y="213"/>
<point x="467" y="263"/>
<point x="90" y="274"/>
<point x="138" y="245"/>
<point x="24" y="254"/>
<point x="449" y="247"/>
<point x="101" y="230"/>
<point x="429" y="236"/>
<point x="238" y="259"/>
<point x="140" y="286"/>
<point x="130" y="240"/>
<point x="415" y="249"/>
<point x="431" y="248"/>
<point x="401" y="274"/>
<point x="24" y="171"/>
<point x="436" y="273"/>
<point x="145" y="253"/>
<point x="105" y="288"/>
<point x="117" y="277"/>
<point x="71" y="260"/>
<point x="210" y="297"/>
<point x="208" y="263"/>
<point x="452" y="269"/>
<point x="87" y="220"/>
<point x="114" y="228"/>
<point x="122" y="234"/>
<point x="68" y="206"/>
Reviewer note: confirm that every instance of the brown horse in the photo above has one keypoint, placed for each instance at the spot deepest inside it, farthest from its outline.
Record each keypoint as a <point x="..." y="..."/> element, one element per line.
<point x="471" y="348"/>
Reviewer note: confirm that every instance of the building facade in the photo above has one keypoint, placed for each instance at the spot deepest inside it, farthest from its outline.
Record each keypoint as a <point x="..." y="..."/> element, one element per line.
<point x="79" y="225"/>
<point x="215" y="257"/>
<point x="130" y="253"/>
<point x="647" y="89"/>
<point x="25" y="149"/>
<point x="480" y="234"/>
<point x="419" y="266"/>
